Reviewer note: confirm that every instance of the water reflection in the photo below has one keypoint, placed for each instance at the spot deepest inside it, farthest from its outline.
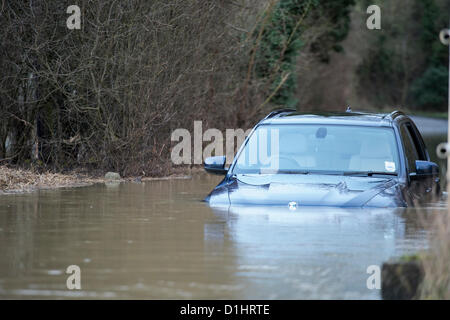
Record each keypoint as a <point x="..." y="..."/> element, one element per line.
<point x="317" y="252"/>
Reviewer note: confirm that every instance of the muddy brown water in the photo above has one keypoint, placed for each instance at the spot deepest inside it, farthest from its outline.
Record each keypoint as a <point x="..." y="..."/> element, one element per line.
<point x="157" y="240"/>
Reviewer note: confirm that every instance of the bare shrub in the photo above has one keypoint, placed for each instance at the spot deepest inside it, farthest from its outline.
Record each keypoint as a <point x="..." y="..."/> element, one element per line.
<point x="108" y="96"/>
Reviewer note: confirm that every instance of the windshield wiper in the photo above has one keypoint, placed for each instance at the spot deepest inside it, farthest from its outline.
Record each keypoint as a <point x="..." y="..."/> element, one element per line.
<point x="285" y="171"/>
<point x="368" y="173"/>
<point x="294" y="171"/>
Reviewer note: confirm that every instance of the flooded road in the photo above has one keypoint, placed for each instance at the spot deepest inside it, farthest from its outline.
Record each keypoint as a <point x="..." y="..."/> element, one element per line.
<point x="157" y="240"/>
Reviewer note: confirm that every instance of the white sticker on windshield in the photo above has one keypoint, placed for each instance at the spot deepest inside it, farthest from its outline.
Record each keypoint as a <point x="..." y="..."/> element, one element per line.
<point x="389" y="166"/>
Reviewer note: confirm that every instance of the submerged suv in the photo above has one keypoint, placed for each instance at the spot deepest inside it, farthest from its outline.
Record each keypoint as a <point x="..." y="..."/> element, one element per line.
<point x="341" y="159"/>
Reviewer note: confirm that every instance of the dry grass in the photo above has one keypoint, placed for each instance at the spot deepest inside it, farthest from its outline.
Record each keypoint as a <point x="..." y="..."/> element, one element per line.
<point x="14" y="180"/>
<point x="17" y="180"/>
<point x="436" y="262"/>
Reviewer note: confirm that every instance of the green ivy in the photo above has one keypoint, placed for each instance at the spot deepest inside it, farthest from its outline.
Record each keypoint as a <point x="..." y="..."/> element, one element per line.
<point x="430" y="90"/>
<point x="281" y="42"/>
<point x="278" y="49"/>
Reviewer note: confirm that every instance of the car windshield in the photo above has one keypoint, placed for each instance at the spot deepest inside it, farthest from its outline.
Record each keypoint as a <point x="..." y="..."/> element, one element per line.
<point x="326" y="149"/>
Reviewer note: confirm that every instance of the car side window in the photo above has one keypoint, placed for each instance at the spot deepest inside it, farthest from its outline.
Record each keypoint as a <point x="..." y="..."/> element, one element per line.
<point x="418" y="142"/>
<point x="411" y="151"/>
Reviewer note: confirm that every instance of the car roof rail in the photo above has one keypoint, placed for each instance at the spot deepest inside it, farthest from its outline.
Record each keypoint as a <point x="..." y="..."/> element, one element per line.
<point x="394" y="114"/>
<point x="278" y="111"/>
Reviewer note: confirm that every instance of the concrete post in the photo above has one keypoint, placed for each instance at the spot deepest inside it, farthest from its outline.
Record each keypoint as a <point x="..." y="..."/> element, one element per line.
<point x="444" y="36"/>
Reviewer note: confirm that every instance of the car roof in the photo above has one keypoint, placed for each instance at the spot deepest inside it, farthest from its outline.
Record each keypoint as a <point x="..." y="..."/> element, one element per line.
<point x="290" y="116"/>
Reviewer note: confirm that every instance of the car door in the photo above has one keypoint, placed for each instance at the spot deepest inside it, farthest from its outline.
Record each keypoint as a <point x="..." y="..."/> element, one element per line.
<point x="420" y="187"/>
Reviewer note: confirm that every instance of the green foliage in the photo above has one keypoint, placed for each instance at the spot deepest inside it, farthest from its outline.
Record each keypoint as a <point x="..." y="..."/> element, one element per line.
<point x="405" y="62"/>
<point x="430" y="90"/>
<point x="430" y="13"/>
<point x="279" y="47"/>
<point x="378" y="73"/>
<point x="337" y="15"/>
<point x="282" y="41"/>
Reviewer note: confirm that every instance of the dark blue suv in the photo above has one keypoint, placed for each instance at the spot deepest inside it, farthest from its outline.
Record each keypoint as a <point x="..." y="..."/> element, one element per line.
<point x="346" y="159"/>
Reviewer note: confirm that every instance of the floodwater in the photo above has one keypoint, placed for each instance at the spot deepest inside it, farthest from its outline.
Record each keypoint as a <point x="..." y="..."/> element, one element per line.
<point x="157" y="240"/>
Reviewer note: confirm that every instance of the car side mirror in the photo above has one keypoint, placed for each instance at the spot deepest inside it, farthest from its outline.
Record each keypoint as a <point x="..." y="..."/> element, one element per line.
<point x="215" y="165"/>
<point x="426" y="168"/>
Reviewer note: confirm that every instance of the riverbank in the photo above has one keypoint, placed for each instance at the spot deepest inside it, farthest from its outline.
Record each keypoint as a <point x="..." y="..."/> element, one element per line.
<point x="19" y="180"/>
